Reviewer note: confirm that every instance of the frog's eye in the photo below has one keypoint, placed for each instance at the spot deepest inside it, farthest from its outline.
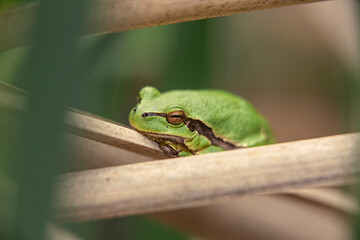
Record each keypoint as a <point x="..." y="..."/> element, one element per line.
<point x="176" y="117"/>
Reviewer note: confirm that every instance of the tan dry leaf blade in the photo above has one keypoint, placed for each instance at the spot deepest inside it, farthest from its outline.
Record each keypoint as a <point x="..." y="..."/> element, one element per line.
<point x="200" y="180"/>
<point x="106" y="16"/>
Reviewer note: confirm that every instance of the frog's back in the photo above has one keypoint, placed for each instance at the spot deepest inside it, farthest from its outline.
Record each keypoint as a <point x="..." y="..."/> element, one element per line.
<point x="230" y="117"/>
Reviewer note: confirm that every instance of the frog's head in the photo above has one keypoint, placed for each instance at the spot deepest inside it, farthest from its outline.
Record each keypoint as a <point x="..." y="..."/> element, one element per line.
<point x="159" y="116"/>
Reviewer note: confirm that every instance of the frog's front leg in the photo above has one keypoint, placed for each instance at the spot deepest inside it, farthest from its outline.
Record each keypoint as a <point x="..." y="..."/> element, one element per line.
<point x="173" y="150"/>
<point x="168" y="150"/>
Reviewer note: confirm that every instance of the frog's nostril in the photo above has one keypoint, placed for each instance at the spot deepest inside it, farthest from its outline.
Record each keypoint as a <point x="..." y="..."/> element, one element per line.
<point x="144" y="115"/>
<point x="134" y="109"/>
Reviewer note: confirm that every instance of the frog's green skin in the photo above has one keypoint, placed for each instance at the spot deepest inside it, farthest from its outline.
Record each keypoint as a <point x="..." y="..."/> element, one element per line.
<point x="215" y="121"/>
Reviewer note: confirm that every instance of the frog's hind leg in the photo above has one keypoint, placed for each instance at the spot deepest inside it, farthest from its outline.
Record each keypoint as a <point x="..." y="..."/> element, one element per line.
<point x="210" y="149"/>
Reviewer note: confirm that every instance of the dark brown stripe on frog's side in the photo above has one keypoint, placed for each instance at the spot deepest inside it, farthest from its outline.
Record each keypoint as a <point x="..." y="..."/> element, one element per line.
<point x="201" y="128"/>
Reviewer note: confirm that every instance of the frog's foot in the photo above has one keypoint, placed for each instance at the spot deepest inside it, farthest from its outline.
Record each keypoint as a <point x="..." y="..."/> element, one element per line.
<point x="169" y="151"/>
<point x="210" y="149"/>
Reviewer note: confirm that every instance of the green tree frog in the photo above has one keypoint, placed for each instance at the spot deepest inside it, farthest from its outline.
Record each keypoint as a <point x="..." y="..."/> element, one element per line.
<point x="189" y="122"/>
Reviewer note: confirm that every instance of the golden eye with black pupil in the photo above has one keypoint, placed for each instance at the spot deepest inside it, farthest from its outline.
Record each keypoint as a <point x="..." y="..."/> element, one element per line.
<point x="176" y="117"/>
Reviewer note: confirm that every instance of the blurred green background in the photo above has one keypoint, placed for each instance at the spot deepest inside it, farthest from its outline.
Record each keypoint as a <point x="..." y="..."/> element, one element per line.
<point x="300" y="73"/>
